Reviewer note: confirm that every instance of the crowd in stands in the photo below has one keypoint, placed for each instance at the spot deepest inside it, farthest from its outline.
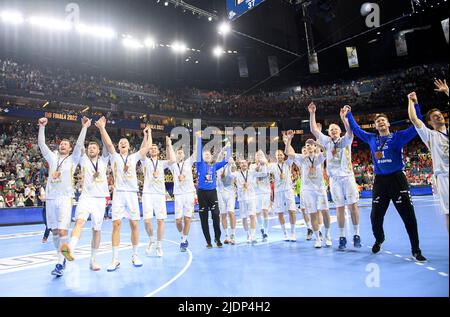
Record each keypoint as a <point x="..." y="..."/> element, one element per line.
<point x="384" y="91"/>
<point x="23" y="171"/>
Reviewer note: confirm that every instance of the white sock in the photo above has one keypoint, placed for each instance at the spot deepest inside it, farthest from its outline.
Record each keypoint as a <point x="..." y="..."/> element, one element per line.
<point x="293" y="228"/>
<point x="158" y="244"/>
<point x="320" y="227"/>
<point x="115" y="253"/>
<point x="93" y="254"/>
<point x="259" y="223"/>
<point x="316" y="233"/>
<point x="135" y="248"/>
<point x="233" y="231"/>
<point x="252" y="233"/>
<point x="184" y="238"/>
<point x="308" y="224"/>
<point x="61" y="258"/>
<point x="356" y="229"/>
<point x="266" y="225"/>
<point x="283" y="227"/>
<point x="342" y="232"/>
<point x="227" y="231"/>
<point x="327" y="233"/>
<point x="56" y="243"/>
<point x="152" y="239"/>
<point x="73" y="243"/>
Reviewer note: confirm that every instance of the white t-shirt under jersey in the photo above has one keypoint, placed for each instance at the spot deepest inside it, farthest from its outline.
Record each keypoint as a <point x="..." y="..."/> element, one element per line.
<point x="97" y="187"/>
<point x="341" y="163"/>
<point x="437" y="143"/>
<point x="125" y="181"/>
<point x="276" y="169"/>
<point x="152" y="184"/>
<point x="311" y="181"/>
<point x="226" y="184"/>
<point x="187" y="185"/>
<point x="262" y="183"/>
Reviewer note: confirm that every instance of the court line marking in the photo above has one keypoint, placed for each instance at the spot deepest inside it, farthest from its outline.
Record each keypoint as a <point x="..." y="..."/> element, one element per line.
<point x="26" y="234"/>
<point x="173" y="279"/>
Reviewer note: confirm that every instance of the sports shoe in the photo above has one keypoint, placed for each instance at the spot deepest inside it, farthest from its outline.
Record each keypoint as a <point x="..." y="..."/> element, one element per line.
<point x="265" y="236"/>
<point x="114" y="265"/>
<point x="263" y="233"/>
<point x="159" y="251"/>
<point x="232" y="241"/>
<point x="183" y="246"/>
<point x="218" y="243"/>
<point x="357" y="241"/>
<point x="209" y="245"/>
<point x="318" y="243"/>
<point x="342" y="243"/>
<point x="58" y="271"/>
<point x="285" y="237"/>
<point x="65" y="250"/>
<point x="376" y="247"/>
<point x="94" y="266"/>
<point x="309" y="235"/>
<point x="418" y="257"/>
<point x="136" y="261"/>
<point x="293" y="237"/>
<point x="149" y="249"/>
<point x="44" y="240"/>
<point x="254" y="241"/>
<point x="227" y="240"/>
<point x="328" y="242"/>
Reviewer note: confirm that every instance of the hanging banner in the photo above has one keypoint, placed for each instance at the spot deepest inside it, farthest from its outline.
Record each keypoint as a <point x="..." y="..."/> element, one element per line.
<point x="243" y="69"/>
<point x="273" y="66"/>
<point x="445" y="28"/>
<point x="352" y="55"/>
<point x="313" y="63"/>
<point x="400" y="44"/>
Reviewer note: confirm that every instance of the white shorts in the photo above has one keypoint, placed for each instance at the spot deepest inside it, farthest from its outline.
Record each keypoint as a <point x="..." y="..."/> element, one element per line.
<point x="284" y="201"/>
<point x="302" y="202"/>
<point x="442" y="192"/>
<point x="125" y="205"/>
<point x="262" y="202"/>
<point x="154" y="203"/>
<point x="59" y="212"/>
<point x="247" y="208"/>
<point x="227" y="202"/>
<point x="184" y="205"/>
<point x="315" y="201"/>
<point x="94" y="206"/>
<point x="344" y="191"/>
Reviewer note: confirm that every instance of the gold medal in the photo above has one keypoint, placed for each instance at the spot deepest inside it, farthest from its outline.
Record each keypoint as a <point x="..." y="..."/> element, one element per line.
<point x="312" y="171"/>
<point x="282" y="176"/>
<point x="378" y="155"/>
<point x="208" y="177"/>
<point x="125" y="169"/>
<point x="334" y="152"/>
<point x="56" y="174"/>
<point x="155" y="174"/>
<point x="181" y="178"/>
<point x="96" y="175"/>
<point x="245" y="186"/>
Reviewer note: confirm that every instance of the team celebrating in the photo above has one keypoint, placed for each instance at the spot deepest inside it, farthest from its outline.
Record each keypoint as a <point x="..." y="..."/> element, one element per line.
<point x="223" y="181"/>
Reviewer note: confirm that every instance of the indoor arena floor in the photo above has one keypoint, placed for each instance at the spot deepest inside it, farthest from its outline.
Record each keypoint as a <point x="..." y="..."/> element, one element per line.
<point x="274" y="268"/>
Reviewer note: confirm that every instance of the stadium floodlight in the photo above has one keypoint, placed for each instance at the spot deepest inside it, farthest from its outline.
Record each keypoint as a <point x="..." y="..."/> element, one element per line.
<point x="132" y="43"/>
<point x="149" y="42"/>
<point x="224" y="28"/>
<point x="178" y="47"/>
<point x="49" y="23"/>
<point x="218" y="51"/>
<point x="97" y="31"/>
<point x="11" y="17"/>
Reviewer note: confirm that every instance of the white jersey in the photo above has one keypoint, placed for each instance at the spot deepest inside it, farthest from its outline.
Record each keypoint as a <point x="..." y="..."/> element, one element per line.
<point x="246" y="183"/>
<point x="262" y="183"/>
<point x="437" y="143"/>
<point x="94" y="186"/>
<point x="185" y="185"/>
<point x="154" y="179"/>
<point x="226" y="180"/>
<point x="339" y="155"/>
<point x="282" y="175"/>
<point x="60" y="181"/>
<point x="311" y="168"/>
<point x="125" y="181"/>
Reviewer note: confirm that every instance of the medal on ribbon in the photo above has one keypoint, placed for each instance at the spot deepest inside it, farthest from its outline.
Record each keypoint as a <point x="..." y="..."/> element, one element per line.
<point x="155" y="168"/>
<point x="180" y="169"/>
<point x="379" y="154"/>
<point x="96" y="172"/>
<point x="125" y="166"/>
<point x="57" y="174"/>
<point x="245" y="180"/>
<point x="282" y="176"/>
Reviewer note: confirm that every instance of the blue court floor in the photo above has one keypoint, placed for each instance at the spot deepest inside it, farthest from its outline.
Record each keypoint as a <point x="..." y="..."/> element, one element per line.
<point x="274" y="268"/>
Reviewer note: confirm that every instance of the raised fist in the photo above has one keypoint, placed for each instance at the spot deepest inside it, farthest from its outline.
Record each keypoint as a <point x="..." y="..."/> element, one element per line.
<point x="42" y="122"/>
<point x="312" y="107"/>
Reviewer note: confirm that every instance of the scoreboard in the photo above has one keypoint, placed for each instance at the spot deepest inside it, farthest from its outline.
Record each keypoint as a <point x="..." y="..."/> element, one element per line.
<point x="236" y="8"/>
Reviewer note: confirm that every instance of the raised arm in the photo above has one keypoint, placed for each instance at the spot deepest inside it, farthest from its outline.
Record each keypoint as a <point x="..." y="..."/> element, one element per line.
<point x="287" y="139"/>
<point x="101" y="125"/>
<point x="441" y="86"/>
<point x="146" y="142"/>
<point x="169" y="150"/>
<point x="79" y="146"/>
<point x="199" y="146"/>
<point x="343" y="115"/>
<point x="412" y="111"/>
<point x="46" y="152"/>
<point x="312" y="120"/>
<point x="360" y="133"/>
